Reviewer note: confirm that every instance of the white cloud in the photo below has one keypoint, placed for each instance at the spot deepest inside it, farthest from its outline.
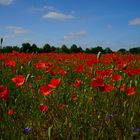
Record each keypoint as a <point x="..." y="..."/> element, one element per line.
<point x="74" y="35"/>
<point x="6" y="2"/>
<point x="40" y="9"/>
<point x="17" y="30"/>
<point x="135" y="21"/>
<point x="57" y="16"/>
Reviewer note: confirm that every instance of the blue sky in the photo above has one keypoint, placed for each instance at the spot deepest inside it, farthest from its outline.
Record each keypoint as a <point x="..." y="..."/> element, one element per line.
<point x="87" y="23"/>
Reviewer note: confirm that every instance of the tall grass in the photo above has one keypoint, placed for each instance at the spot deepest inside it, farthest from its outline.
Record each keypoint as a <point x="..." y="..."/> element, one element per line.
<point x="74" y="112"/>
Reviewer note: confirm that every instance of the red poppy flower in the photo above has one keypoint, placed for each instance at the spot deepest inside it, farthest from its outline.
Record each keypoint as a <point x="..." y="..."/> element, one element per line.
<point x="54" y="83"/>
<point x="38" y="77"/>
<point x="108" y="88"/>
<point x="104" y="73"/>
<point x="11" y="63"/>
<point x="120" y="64"/>
<point x="130" y="91"/>
<point x="18" y="80"/>
<point x="74" y="97"/>
<point x="4" y="92"/>
<point x="11" y="112"/>
<point x="62" y="72"/>
<point x="80" y="68"/>
<point x="40" y="65"/>
<point x="134" y="72"/>
<point x="97" y="83"/>
<point x="122" y="87"/>
<point x="77" y="82"/>
<point x="15" y="52"/>
<point x="45" y="90"/>
<point x="89" y="63"/>
<point x="116" y="77"/>
<point x="43" y="108"/>
<point x="2" y="56"/>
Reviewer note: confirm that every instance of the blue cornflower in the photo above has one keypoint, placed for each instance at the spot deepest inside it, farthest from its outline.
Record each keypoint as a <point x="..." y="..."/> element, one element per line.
<point x="134" y="129"/>
<point x="27" y="130"/>
<point x="110" y="115"/>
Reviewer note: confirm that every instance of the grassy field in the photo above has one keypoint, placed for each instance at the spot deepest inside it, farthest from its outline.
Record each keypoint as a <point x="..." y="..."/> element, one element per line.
<point x="69" y="96"/>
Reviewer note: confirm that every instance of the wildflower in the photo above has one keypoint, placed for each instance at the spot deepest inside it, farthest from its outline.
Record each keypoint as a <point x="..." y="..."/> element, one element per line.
<point x="38" y="77"/>
<point x="106" y="88"/>
<point x="4" y="92"/>
<point x="26" y="130"/>
<point x="80" y="68"/>
<point x="10" y="63"/>
<point x="134" y="129"/>
<point x="89" y="63"/>
<point x="43" y="108"/>
<point x="11" y="112"/>
<point x="77" y="82"/>
<point x="130" y="91"/>
<point x="134" y="72"/>
<point x="104" y="73"/>
<point x="62" y="72"/>
<point x="18" y="80"/>
<point x="74" y="97"/>
<point x="97" y="83"/>
<point x="40" y="65"/>
<point x="116" y="77"/>
<point x="110" y="115"/>
<point x="54" y="83"/>
<point x="15" y="52"/>
<point x="45" y="90"/>
<point x="122" y="87"/>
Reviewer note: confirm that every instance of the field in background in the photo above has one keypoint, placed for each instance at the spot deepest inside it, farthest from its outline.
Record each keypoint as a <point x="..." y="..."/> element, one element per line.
<point x="69" y="96"/>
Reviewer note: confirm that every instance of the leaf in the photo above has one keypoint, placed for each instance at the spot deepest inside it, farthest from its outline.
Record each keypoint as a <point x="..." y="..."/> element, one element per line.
<point x="98" y="55"/>
<point x="49" y="132"/>
<point x="27" y="77"/>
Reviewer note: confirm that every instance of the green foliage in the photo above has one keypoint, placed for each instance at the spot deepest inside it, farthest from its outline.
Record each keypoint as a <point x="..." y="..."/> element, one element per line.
<point x="27" y="47"/>
<point x="135" y="50"/>
<point x="122" y="50"/>
<point x="65" y="49"/>
<point x="74" y="48"/>
<point x="47" y="48"/>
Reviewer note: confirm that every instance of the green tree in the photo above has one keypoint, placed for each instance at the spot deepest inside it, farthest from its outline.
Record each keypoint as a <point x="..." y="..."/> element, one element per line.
<point x="16" y="48"/>
<point x="88" y="50"/>
<point x="107" y="50"/>
<point x="135" y="50"/>
<point x="65" y="49"/>
<point x="34" y="48"/>
<point x="53" y="48"/>
<point x="122" y="50"/>
<point x="47" y="48"/>
<point x="7" y="49"/>
<point x="97" y="49"/>
<point x="26" y="47"/>
<point x="80" y="49"/>
<point x="74" y="48"/>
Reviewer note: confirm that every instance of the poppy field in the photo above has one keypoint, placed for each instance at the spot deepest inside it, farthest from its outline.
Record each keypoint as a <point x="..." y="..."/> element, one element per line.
<point x="58" y="96"/>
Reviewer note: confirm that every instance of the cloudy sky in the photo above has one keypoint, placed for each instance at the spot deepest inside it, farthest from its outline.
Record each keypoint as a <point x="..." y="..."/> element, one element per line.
<point x="87" y="23"/>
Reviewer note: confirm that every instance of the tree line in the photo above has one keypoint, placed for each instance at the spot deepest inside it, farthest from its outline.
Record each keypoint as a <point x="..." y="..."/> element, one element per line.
<point x="33" y="48"/>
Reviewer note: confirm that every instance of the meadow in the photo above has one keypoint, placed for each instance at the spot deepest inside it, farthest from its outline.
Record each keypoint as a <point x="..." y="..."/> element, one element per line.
<point x="58" y="96"/>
